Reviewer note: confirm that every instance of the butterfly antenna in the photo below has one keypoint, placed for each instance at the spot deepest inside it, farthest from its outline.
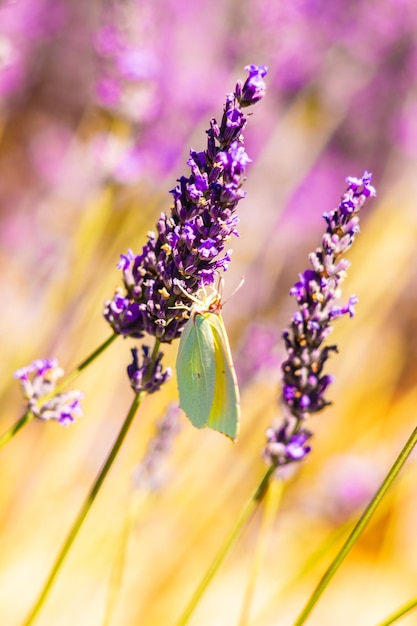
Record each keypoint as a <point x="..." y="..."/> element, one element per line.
<point x="235" y="290"/>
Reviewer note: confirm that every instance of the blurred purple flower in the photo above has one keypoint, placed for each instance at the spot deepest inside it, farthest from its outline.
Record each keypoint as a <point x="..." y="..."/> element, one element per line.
<point x="108" y="40"/>
<point x="257" y="353"/>
<point x="108" y="91"/>
<point x="347" y="483"/>
<point x="25" y="27"/>
<point x="124" y="67"/>
<point x="117" y="159"/>
<point x="304" y="383"/>
<point x="38" y="381"/>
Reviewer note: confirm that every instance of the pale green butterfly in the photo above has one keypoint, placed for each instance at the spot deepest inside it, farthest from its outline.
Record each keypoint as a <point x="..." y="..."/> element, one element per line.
<point x="207" y="384"/>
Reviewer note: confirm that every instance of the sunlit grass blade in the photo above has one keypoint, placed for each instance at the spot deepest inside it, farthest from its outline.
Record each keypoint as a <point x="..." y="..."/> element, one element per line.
<point x="359" y="527"/>
<point x="84" y="510"/>
<point x="407" y="608"/>
<point x="272" y="502"/>
<point x="243" y="518"/>
<point x="14" y="429"/>
<point x="82" y="366"/>
<point x="137" y="500"/>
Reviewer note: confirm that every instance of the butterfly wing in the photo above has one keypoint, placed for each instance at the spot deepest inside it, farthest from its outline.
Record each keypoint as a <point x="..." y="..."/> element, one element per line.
<point x="224" y="413"/>
<point x="196" y="369"/>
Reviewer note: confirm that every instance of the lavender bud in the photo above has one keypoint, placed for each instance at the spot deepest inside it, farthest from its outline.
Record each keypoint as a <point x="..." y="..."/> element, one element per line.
<point x="254" y="87"/>
<point x="285" y="444"/>
<point x="149" y="375"/>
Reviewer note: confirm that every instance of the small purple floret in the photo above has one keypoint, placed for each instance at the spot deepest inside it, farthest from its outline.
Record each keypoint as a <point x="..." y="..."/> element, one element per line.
<point x="126" y="260"/>
<point x="254" y="87"/>
<point x="284" y="445"/>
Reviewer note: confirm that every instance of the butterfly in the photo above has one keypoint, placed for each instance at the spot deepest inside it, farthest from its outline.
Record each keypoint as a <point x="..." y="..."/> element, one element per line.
<point x="207" y="384"/>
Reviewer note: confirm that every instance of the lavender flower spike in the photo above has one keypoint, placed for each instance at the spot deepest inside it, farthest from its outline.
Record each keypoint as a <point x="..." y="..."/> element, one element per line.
<point x="304" y="383"/>
<point x="38" y="380"/>
<point x="189" y="245"/>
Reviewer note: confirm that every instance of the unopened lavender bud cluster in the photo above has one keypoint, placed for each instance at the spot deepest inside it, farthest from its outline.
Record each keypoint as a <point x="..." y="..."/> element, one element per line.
<point x="148" y="375"/>
<point x="304" y="384"/>
<point x="38" y="381"/>
<point x="189" y="244"/>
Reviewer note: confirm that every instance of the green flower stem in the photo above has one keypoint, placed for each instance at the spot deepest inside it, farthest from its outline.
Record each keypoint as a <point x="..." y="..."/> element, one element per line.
<point x="9" y="434"/>
<point x="271" y="505"/>
<point x="139" y="501"/>
<point x="28" y="416"/>
<point x="85" y="509"/>
<point x="155" y="351"/>
<point x="227" y="545"/>
<point x="77" y="371"/>
<point x="400" y="613"/>
<point x="359" y="527"/>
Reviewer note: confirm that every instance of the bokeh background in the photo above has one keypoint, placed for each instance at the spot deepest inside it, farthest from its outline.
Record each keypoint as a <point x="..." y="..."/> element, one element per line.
<point x="100" y="104"/>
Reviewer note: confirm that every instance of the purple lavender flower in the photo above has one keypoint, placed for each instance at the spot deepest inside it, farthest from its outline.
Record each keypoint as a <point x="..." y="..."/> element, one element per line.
<point x="38" y="381"/>
<point x="188" y="247"/>
<point x="147" y="376"/>
<point x="304" y="383"/>
<point x="254" y="88"/>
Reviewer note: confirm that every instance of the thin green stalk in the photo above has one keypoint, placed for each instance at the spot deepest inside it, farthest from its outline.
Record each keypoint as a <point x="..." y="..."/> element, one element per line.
<point x="28" y="416"/>
<point x="402" y="611"/>
<point x="270" y="509"/>
<point x="77" y="371"/>
<point x="84" y="510"/>
<point x="311" y="561"/>
<point x="227" y="545"/>
<point x="138" y="500"/>
<point x="154" y="354"/>
<point x="9" y="434"/>
<point x="359" y="527"/>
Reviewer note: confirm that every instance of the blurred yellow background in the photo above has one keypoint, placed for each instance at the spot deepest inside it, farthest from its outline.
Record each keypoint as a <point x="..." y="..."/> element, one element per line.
<point x="140" y="555"/>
